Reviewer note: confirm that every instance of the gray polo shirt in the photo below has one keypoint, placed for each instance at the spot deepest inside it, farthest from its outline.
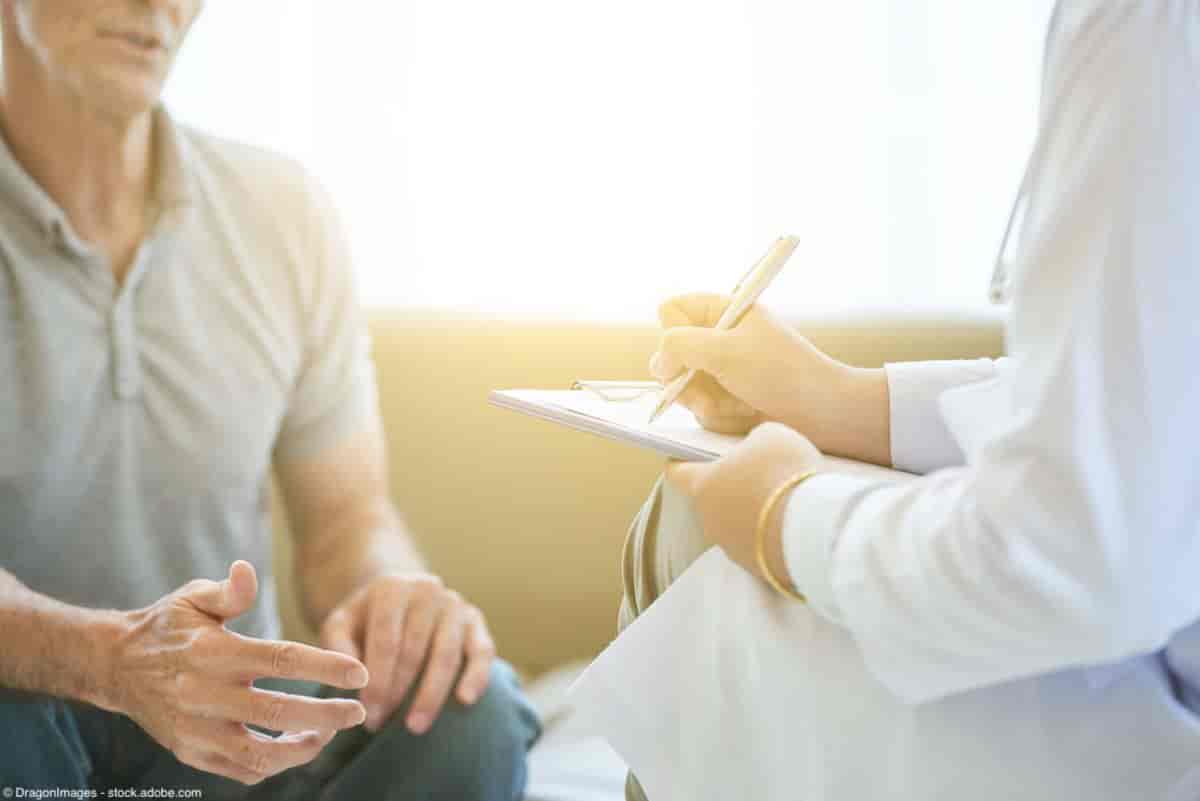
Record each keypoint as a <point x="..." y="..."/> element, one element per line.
<point x="139" y="423"/>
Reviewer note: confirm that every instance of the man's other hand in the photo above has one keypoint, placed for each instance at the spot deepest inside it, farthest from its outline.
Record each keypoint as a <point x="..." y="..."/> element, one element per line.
<point x="186" y="679"/>
<point x="401" y="623"/>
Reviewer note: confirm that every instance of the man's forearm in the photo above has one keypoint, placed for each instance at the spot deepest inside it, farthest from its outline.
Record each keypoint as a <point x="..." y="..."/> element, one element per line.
<point x="51" y="647"/>
<point x="336" y="562"/>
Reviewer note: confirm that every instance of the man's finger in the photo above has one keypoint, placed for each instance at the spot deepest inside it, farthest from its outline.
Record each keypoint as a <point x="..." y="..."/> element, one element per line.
<point x="702" y="309"/>
<point x="276" y="710"/>
<point x="269" y="756"/>
<point x="340" y="633"/>
<point x="441" y="671"/>
<point x="229" y="598"/>
<point x="233" y="748"/>
<point x="419" y="628"/>
<point x="480" y="651"/>
<point x="384" y="628"/>
<point x="220" y="765"/>
<point x="251" y="658"/>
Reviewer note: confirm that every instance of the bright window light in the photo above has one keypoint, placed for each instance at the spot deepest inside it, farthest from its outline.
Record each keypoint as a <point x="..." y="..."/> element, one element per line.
<point x="588" y="159"/>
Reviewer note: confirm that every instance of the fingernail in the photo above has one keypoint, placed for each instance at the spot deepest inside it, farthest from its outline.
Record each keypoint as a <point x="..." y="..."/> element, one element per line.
<point x="418" y="723"/>
<point x="356" y="677"/>
<point x="360" y="715"/>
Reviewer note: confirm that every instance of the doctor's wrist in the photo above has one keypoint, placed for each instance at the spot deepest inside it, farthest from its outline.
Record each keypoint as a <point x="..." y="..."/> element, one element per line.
<point x="853" y="416"/>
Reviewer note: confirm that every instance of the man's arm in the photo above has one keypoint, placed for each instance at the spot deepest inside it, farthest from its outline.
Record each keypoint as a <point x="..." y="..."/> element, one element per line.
<point x="177" y="672"/>
<point x="365" y="587"/>
<point x="345" y="527"/>
<point x="51" y="647"/>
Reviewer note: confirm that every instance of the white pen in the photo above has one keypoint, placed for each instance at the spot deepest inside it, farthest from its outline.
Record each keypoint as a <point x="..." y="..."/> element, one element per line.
<point x="745" y="294"/>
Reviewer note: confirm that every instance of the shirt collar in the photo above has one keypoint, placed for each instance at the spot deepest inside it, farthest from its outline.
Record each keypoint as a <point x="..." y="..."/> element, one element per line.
<point x="174" y="192"/>
<point x="172" y="197"/>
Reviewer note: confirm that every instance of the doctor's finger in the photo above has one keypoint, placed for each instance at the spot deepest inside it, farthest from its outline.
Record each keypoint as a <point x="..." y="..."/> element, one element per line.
<point x="735" y="426"/>
<point x="702" y="309"/>
<point x="687" y="476"/>
<point x="693" y="348"/>
<point x="706" y="398"/>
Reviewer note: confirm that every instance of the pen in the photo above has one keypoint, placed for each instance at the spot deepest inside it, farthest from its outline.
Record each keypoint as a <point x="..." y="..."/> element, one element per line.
<point x="745" y="294"/>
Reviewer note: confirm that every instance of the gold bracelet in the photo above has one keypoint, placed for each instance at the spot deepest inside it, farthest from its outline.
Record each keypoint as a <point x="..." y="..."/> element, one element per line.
<point x="760" y="536"/>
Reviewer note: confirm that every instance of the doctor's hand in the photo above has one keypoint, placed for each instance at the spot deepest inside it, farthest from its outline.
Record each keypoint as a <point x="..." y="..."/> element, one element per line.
<point x="728" y="494"/>
<point x="401" y="623"/>
<point x="764" y="370"/>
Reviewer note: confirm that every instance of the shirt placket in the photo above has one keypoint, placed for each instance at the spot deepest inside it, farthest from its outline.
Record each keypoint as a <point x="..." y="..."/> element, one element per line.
<point x="123" y="331"/>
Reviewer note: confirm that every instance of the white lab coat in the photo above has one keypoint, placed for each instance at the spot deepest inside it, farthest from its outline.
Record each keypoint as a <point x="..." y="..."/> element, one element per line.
<point x="1058" y="530"/>
<point x="1021" y="622"/>
<point x="1070" y="535"/>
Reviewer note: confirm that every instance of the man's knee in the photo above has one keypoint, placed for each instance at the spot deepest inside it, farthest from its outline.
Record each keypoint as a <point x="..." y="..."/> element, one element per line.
<point x="475" y="753"/>
<point x="490" y="739"/>
<point x="663" y="541"/>
<point x="40" y="743"/>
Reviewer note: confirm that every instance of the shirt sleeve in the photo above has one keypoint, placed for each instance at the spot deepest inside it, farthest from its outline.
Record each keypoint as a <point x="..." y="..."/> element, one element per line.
<point x="335" y="394"/>
<point x="1070" y="537"/>
<point x="921" y="441"/>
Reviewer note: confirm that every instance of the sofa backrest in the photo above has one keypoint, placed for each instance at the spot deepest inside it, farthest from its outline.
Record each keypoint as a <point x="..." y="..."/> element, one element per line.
<point x="527" y="518"/>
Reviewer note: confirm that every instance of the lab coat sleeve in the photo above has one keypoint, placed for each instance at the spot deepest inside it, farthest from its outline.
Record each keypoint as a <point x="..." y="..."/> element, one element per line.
<point x="920" y="440"/>
<point x="1070" y="538"/>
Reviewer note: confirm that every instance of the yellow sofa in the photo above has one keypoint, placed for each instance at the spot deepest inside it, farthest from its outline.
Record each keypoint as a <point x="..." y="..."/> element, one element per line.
<point x="527" y="518"/>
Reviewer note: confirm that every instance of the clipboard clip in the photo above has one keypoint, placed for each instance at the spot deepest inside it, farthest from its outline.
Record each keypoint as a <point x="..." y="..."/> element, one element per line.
<point x="618" y="390"/>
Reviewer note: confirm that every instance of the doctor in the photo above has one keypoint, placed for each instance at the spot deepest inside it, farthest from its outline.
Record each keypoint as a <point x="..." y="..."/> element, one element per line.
<point x="1050" y="555"/>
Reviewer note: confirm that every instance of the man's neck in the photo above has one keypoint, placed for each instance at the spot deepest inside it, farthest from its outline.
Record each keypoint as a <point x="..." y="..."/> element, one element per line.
<point x="96" y="167"/>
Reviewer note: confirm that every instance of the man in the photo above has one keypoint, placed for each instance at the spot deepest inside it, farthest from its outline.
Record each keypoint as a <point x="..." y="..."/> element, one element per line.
<point x="177" y="317"/>
<point x="1035" y="593"/>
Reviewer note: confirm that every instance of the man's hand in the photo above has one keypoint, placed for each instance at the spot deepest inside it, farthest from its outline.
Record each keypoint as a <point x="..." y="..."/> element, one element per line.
<point x="729" y="493"/>
<point x="186" y="679"/>
<point x="401" y="623"/>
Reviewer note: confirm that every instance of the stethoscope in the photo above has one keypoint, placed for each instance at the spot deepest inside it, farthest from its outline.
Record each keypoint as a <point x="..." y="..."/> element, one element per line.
<point x="998" y="288"/>
<point x="1000" y="285"/>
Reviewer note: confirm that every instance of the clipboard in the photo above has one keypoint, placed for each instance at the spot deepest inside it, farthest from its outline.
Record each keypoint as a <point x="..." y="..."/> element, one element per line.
<point x="619" y="410"/>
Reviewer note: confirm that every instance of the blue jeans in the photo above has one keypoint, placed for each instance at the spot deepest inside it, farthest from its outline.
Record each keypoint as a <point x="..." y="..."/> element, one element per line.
<point x="474" y="753"/>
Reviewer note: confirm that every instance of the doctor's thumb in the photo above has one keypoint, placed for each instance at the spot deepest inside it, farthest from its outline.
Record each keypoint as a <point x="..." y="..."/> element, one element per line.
<point x="687" y="348"/>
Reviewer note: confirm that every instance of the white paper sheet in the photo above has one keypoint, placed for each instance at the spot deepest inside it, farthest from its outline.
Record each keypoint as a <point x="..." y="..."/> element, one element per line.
<point x="676" y="433"/>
